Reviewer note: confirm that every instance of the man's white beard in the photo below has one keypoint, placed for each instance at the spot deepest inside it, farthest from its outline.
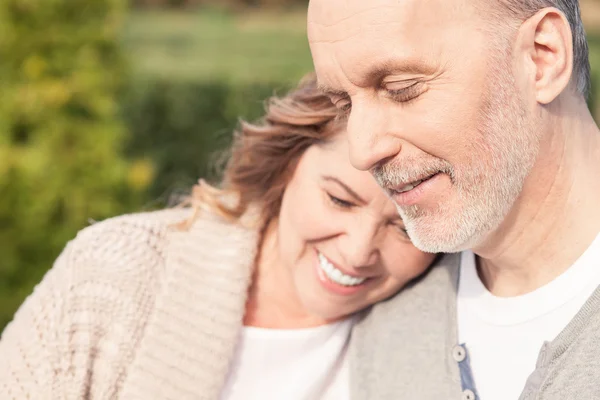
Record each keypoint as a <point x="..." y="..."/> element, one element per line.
<point x="486" y="187"/>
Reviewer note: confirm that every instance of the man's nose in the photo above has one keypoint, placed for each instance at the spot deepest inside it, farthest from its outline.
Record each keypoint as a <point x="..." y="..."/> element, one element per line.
<point x="369" y="138"/>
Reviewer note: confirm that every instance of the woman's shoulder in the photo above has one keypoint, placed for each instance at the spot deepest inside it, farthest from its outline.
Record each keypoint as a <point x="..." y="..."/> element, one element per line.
<point x="109" y="281"/>
<point x="140" y="242"/>
<point x="129" y="237"/>
<point x="103" y="288"/>
<point x="126" y="253"/>
<point x="142" y="224"/>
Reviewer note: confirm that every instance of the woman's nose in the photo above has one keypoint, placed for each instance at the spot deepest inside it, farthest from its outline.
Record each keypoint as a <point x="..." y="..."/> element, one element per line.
<point x="361" y="245"/>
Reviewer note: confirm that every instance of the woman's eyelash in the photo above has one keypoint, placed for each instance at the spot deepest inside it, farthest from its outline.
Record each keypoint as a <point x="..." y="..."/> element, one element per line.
<point x="401" y="229"/>
<point x="344" y="111"/>
<point x="342" y="116"/>
<point x="339" y="202"/>
<point x="346" y="107"/>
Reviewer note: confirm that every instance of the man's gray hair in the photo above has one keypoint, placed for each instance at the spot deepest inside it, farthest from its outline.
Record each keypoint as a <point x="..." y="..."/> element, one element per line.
<point x="581" y="64"/>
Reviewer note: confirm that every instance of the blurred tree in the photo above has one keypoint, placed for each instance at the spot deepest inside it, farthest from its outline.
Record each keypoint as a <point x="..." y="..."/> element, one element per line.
<point x="182" y="126"/>
<point x="60" y="136"/>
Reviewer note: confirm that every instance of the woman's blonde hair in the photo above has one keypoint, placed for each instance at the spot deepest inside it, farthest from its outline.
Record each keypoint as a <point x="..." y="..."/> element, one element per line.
<point x="263" y="155"/>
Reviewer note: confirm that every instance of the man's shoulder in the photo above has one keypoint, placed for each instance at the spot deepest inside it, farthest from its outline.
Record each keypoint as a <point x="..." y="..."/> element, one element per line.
<point x="403" y="345"/>
<point x="569" y="366"/>
<point x="424" y="297"/>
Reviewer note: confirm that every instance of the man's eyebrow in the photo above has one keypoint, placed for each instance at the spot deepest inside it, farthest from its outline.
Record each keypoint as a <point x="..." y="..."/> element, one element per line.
<point x="382" y="69"/>
<point x="345" y="187"/>
<point x="390" y="67"/>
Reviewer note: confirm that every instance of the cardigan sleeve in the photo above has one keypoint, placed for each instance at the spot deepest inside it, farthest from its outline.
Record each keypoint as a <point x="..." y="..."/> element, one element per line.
<point x="74" y="337"/>
<point x="32" y="362"/>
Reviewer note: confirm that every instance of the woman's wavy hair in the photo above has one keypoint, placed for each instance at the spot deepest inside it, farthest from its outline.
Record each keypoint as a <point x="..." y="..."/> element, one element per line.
<point x="264" y="154"/>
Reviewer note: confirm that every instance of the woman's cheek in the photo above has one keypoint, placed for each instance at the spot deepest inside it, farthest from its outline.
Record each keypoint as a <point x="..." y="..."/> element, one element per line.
<point x="313" y="218"/>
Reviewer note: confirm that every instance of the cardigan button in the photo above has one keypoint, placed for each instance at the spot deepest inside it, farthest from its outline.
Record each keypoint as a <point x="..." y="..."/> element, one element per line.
<point x="459" y="353"/>
<point x="468" y="395"/>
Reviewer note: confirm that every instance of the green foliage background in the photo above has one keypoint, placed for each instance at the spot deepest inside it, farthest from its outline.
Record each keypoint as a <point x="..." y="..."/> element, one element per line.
<point x="105" y="110"/>
<point x="197" y="73"/>
<point x="61" y="140"/>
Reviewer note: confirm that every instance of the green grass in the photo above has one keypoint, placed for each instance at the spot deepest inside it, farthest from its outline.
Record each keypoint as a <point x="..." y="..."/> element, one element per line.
<point x="212" y="45"/>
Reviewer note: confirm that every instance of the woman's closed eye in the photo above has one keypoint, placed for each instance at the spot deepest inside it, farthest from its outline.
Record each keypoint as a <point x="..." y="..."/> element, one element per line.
<point x="399" y="227"/>
<point x="336" y="201"/>
<point x="344" y="107"/>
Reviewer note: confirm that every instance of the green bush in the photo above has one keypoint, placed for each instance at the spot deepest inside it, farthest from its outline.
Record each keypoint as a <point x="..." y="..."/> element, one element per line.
<point x="180" y="126"/>
<point x="60" y="135"/>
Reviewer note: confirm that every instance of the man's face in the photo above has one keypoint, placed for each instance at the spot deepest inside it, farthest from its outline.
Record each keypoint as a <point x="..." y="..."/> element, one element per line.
<point x="435" y="111"/>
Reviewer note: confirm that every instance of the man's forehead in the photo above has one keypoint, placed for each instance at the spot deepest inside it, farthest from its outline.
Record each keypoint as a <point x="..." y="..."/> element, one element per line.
<point x="331" y="12"/>
<point x="334" y="11"/>
<point x="331" y="21"/>
<point x="384" y="33"/>
<point x="330" y="16"/>
<point x="388" y="39"/>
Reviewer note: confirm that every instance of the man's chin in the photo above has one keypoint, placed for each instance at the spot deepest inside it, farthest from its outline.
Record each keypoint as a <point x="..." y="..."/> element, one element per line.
<point x="438" y="234"/>
<point x="436" y="245"/>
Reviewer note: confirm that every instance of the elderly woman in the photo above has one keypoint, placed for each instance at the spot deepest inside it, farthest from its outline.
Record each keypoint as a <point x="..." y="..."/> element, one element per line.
<point x="248" y="292"/>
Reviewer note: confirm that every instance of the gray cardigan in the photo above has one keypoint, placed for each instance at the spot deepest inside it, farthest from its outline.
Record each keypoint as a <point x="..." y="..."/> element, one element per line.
<point x="402" y="348"/>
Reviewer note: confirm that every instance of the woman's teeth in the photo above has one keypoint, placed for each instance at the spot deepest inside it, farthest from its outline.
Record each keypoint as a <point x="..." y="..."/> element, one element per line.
<point x="336" y="275"/>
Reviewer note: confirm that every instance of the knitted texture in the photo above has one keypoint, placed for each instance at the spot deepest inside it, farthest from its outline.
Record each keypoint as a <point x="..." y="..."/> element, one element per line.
<point x="133" y="308"/>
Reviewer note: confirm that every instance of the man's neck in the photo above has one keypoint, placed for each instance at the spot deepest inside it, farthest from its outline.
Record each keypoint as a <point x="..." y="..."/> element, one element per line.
<point x="556" y="217"/>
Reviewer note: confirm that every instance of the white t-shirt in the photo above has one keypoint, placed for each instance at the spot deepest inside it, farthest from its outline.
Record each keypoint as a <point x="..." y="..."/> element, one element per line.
<point x="503" y="336"/>
<point x="303" y="364"/>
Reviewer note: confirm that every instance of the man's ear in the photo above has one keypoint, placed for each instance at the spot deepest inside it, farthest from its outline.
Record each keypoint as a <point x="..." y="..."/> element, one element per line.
<point x="546" y="42"/>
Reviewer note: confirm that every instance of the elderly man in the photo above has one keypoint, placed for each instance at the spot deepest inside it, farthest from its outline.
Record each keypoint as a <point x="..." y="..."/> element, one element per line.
<point x="471" y="114"/>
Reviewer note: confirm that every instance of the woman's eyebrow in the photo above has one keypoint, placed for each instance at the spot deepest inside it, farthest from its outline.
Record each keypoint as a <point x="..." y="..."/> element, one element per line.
<point x="345" y="187"/>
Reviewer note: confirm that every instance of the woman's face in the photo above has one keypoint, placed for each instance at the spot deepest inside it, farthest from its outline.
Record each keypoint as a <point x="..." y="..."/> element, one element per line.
<point x="341" y="237"/>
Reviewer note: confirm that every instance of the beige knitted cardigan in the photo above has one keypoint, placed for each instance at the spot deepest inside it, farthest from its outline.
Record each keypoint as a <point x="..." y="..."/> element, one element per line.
<point x="133" y="309"/>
